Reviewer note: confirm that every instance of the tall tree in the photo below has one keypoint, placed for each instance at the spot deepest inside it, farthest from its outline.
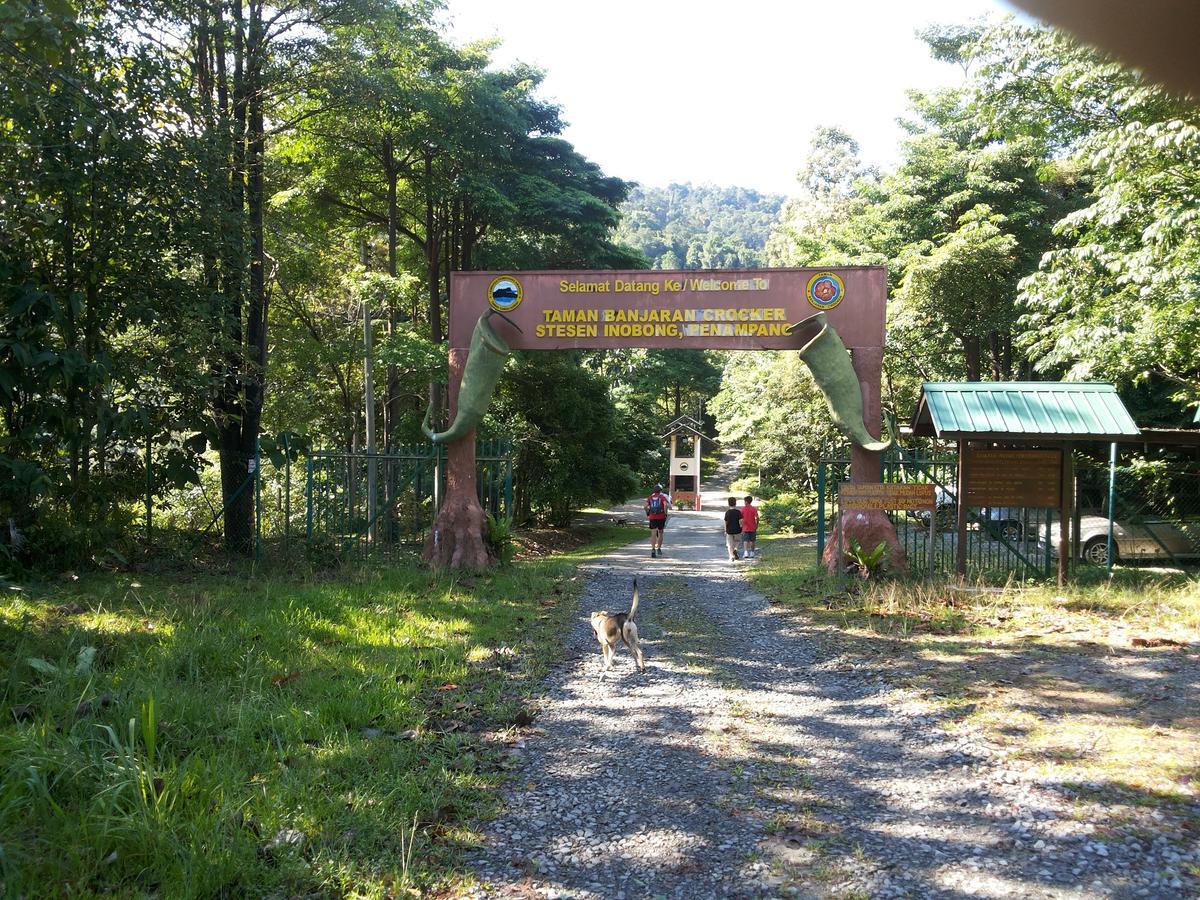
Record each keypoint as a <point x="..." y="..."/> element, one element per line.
<point x="95" y="203"/>
<point x="245" y="58"/>
<point x="1118" y="297"/>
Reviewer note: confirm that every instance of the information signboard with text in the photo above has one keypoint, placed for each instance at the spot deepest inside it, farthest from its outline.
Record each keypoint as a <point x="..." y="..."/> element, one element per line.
<point x="1021" y="478"/>
<point x="735" y="309"/>
<point x="886" y="496"/>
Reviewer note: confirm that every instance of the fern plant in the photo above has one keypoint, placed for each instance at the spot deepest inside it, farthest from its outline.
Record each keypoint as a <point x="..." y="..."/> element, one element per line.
<point x="866" y="563"/>
<point x="499" y="539"/>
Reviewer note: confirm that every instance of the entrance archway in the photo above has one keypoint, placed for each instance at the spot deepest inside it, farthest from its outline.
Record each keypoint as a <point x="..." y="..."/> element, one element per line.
<point x="742" y="309"/>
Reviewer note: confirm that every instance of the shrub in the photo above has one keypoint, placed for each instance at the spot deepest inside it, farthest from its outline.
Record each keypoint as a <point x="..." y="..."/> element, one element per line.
<point x="788" y="513"/>
<point x="764" y="490"/>
<point x="499" y="539"/>
<point x="324" y="552"/>
<point x="866" y="563"/>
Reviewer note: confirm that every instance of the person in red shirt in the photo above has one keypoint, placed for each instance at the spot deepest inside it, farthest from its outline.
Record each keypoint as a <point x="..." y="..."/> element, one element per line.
<point x="657" y="505"/>
<point x="749" y="529"/>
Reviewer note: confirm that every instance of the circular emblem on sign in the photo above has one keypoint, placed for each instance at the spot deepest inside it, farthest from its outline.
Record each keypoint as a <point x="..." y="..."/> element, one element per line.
<point x="504" y="293"/>
<point x="683" y="467"/>
<point x="825" y="290"/>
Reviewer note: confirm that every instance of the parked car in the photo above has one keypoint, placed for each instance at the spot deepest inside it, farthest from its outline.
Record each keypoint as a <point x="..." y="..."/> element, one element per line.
<point x="1147" y="539"/>
<point x="1004" y="523"/>
<point x="1008" y="522"/>
<point x="945" y="510"/>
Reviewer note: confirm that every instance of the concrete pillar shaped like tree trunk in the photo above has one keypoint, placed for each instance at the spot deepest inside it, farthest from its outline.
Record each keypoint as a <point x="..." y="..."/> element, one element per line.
<point x="868" y="527"/>
<point x="458" y="537"/>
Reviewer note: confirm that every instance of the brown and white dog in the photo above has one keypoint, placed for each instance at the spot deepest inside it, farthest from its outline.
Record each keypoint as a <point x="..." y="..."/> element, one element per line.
<point x="613" y="628"/>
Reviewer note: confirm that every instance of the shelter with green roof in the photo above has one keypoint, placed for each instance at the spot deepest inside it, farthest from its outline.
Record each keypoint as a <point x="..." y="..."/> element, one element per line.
<point x="1014" y="441"/>
<point x="1023" y="411"/>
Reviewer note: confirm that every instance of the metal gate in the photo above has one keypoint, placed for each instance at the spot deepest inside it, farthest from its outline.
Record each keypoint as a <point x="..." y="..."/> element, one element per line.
<point x="385" y="502"/>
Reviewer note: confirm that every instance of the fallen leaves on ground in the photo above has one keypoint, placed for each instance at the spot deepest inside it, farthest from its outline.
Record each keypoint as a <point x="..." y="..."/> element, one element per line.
<point x="1157" y="642"/>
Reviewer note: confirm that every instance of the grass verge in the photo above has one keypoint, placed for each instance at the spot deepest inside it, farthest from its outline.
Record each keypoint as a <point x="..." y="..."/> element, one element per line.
<point x="269" y="736"/>
<point x="1091" y="686"/>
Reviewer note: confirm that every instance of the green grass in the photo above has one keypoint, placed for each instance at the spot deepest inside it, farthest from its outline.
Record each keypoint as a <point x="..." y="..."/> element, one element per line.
<point x="1092" y="683"/>
<point x="1147" y="598"/>
<point x="218" y="719"/>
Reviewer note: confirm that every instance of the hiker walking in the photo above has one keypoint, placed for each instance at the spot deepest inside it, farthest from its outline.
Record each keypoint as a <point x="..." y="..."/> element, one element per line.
<point x="657" y="505"/>
<point x="733" y="529"/>
<point x="749" y="528"/>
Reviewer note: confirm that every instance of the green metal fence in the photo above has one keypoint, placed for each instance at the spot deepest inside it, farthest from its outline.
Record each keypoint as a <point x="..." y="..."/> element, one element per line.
<point x="327" y="502"/>
<point x="369" y="502"/>
<point x="494" y="476"/>
<point x="379" y="503"/>
<point x="1001" y="542"/>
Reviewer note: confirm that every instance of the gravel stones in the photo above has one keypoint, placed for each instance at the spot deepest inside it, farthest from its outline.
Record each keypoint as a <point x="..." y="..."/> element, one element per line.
<point x="748" y="761"/>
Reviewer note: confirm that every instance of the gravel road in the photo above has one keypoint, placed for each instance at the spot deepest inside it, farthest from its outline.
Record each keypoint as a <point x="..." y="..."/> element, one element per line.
<point x="750" y="761"/>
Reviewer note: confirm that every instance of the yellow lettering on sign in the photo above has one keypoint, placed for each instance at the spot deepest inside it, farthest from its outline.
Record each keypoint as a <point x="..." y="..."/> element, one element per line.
<point x="638" y="287"/>
<point x="584" y="287"/>
<point x="565" y="331"/>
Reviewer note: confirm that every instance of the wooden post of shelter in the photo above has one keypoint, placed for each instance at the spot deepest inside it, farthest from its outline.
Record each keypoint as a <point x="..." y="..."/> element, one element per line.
<point x="1065" y="518"/>
<point x="960" y="521"/>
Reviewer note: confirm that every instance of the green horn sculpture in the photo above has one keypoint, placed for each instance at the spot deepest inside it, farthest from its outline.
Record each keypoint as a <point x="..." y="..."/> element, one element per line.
<point x="485" y="362"/>
<point x="829" y="361"/>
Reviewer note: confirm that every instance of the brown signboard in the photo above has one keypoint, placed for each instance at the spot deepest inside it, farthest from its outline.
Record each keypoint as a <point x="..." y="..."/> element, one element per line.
<point x="731" y="309"/>
<point x="1029" y="478"/>
<point x="886" y="496"/>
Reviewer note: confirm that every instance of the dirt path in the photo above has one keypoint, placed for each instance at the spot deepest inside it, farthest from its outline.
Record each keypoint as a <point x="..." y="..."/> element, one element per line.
<point x="749" y="761"/>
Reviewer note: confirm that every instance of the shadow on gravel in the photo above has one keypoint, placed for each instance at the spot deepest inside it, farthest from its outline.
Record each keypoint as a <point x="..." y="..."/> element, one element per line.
<point x="810" y="761"/>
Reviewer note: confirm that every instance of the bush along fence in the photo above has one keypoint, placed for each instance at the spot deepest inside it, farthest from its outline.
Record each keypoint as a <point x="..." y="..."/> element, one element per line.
<point x="323" y="504"/>
<point x="1156" y="517"/>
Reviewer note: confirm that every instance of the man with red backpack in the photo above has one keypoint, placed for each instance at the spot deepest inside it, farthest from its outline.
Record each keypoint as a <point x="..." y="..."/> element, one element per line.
<point x="657" y="505"/>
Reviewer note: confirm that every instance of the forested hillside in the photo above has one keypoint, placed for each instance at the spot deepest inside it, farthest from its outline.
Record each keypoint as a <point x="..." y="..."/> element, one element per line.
<point x="685" y="226"/>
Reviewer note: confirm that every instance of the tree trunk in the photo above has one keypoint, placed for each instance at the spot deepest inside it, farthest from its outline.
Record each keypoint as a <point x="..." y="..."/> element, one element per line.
<point x="238" y="515"/>
<point x="391" y="402"/>
<point x="242" y="324"/>
<point x="255" y="365"/>
<point x="433" y="257"/>
<point x="971" y="355"/>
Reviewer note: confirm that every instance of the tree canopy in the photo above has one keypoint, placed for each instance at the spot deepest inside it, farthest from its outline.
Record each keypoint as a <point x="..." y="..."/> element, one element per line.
<point x="202" y="204"/>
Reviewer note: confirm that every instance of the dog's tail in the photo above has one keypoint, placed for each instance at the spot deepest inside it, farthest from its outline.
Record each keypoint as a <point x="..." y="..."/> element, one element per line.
<point x="633" y="608"/>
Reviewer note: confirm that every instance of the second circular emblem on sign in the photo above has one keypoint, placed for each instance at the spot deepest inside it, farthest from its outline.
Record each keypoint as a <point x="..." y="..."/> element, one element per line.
<point x="825" y="290"/>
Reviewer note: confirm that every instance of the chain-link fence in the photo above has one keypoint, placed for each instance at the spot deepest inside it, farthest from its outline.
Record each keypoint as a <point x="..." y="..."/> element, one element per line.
<point x="1155" y="510"/>
<point x="215" y="516"/>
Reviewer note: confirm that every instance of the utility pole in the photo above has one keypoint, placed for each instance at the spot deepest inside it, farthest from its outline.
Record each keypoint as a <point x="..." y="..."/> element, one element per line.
<point x="369" y="400"/>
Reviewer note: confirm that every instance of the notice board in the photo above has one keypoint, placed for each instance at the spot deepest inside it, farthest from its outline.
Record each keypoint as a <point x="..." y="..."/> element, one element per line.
<point x="886" y="496"/>
<point x="1007" y="477"/>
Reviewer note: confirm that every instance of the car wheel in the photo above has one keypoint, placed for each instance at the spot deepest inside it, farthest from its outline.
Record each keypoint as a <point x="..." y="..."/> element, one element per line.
<point x="1010" y="531"/>
<point x="1095" y="551"/>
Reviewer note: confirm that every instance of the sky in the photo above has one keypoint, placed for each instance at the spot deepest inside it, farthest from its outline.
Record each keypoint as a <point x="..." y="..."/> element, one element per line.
<point x="661" y="91"/>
